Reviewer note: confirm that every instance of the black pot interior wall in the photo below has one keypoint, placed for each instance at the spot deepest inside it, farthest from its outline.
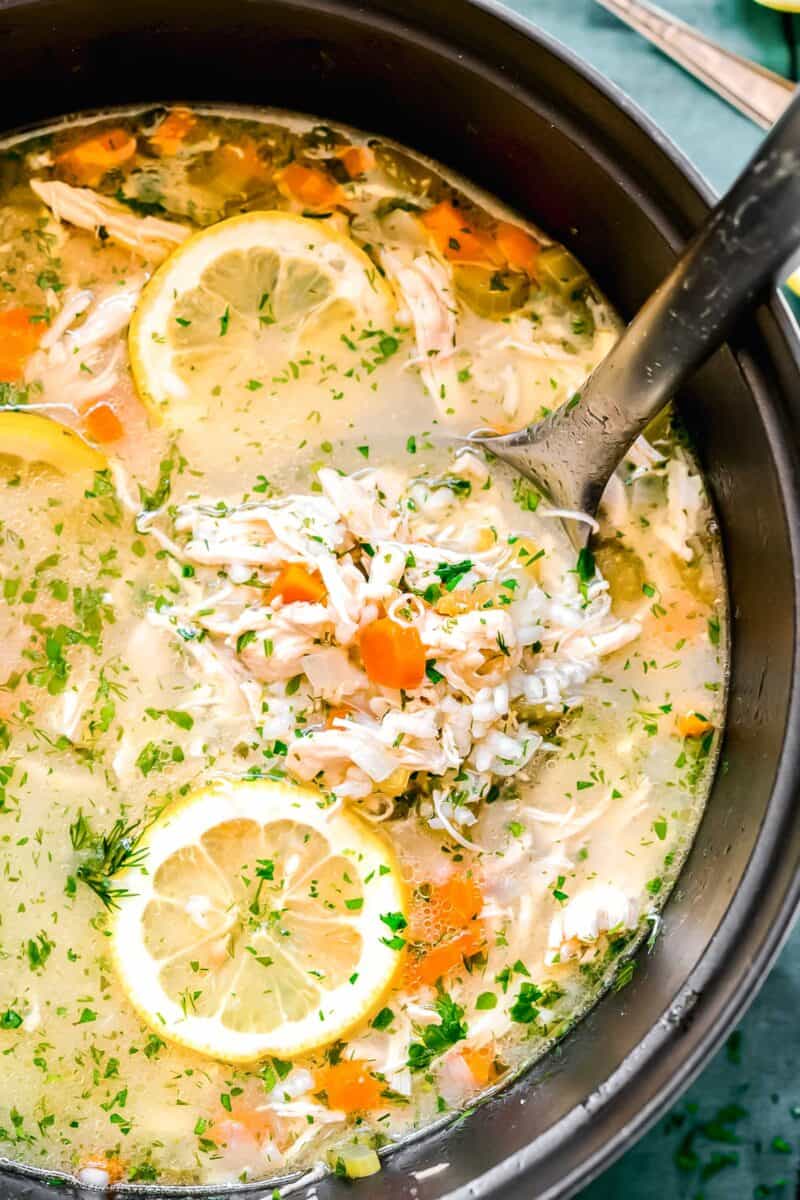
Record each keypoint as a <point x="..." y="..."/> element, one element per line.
<point x="541" y="135"/>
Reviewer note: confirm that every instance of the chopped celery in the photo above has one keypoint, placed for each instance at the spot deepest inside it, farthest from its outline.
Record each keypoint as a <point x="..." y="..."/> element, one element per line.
<point x="561" y="270"/>
<point x="488" y="292"/>
<point x="624" y="570"/>
<point x="354" y="1162"/>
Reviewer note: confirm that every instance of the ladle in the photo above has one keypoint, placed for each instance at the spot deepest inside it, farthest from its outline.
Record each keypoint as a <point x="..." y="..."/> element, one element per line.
<point x="742" y="248"/>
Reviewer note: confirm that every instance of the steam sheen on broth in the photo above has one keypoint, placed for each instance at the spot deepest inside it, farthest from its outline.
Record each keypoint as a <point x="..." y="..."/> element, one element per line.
<point x="334" y="788"/>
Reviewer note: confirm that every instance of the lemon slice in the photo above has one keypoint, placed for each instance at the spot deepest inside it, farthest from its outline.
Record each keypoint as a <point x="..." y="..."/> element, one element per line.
<point x="37" y="441"/>
<point x="261" y="923"/>
<point x="247" y="301"/>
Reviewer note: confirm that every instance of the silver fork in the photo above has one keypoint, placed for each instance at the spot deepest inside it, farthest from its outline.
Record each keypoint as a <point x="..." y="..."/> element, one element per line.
<point x="757" y="92"/>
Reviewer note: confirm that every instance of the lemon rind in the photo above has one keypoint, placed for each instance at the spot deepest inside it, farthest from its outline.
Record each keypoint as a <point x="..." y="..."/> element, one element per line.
<point x="34" y="437"/>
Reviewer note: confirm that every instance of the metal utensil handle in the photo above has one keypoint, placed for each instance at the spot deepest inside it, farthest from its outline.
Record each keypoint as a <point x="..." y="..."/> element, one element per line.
<point x="761" y="94"/>
<point x="744" y="246"/>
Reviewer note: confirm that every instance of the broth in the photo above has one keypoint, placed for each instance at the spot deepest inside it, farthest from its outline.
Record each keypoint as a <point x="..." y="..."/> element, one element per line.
<point x="261" y="576"/>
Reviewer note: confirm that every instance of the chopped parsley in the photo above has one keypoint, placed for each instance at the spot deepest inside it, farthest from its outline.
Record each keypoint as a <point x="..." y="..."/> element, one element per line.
<point x="435" y="1039"/>
<point x="451" y="574"/>
<point x="524" y="1009"/>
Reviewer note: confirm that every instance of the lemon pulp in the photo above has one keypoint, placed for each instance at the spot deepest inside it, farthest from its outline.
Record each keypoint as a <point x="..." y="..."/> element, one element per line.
<point x="262" y="922"/>
<point x="248" y="301"/>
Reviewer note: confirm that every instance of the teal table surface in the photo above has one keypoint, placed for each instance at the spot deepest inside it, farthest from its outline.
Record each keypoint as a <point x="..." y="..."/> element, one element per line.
<point x="736" y="1133"/>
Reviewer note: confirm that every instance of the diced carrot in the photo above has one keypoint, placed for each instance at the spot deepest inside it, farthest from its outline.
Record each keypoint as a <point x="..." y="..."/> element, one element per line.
<point x="105" y="1162"/>
<point x="242" y="1122"/>
<point x="441" y="909"/>
<point x="103" y="425"/>
<point x="393" y="654"/>
<point x="226" y="1132"/>
<point x="170" y="134"/>
<point x="89" y="161"/>
<point x="480" y="1060"/>
<point x="297" y="584"/>
<point x="693" y="725"/>
<point x="518" y="248"/>
<point x="431" y="965"/>
<point x="457" y="902"/>
<point x="357" y="160"/>
<point x="456" y="239"/>
<point x="349" y="1086"/>
<point x="443" y="929"/>
<point x="311" y="186"/>
<point x="19" y="337"/>
<point x="239" y="163"/>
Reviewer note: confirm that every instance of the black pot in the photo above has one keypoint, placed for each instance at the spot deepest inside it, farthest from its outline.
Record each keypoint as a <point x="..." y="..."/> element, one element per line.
<point x="478" y="89"/>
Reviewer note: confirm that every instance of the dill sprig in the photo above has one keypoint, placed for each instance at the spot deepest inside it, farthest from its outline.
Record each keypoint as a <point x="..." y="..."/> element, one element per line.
<point x="106" y="854"/>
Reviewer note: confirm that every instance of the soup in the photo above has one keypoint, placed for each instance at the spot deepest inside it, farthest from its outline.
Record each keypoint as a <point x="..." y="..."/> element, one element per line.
<point x="335" y="785"/>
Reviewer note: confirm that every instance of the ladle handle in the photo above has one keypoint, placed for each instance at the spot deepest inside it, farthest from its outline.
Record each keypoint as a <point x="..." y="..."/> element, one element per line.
<point x="745" y="244"/>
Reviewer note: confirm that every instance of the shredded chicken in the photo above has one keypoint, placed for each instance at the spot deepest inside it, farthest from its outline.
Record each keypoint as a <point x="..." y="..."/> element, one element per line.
<point x="684" y="506"/>
<point x="676" y="525"/>
<point x="148" y="236"/>
<point x="426" y="287"/>
<point x="79" y="359"/>
<point x="503" y="645"/>
<point x="594" y="910"/>
<point x="427" y="290"/>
